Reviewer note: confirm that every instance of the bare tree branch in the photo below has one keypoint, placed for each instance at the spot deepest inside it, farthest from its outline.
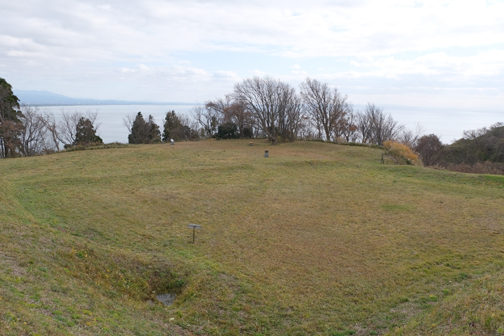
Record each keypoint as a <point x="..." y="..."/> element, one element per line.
<point x="273" y="104"/>
<point x="376" y="127"/>
<point x="33" y="136"/>
<point x="128" y="121"/>
<point x="328" y="108"/>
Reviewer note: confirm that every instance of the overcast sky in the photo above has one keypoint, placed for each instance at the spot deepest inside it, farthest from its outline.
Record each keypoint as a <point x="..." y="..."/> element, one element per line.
<point x="435" y="53"/>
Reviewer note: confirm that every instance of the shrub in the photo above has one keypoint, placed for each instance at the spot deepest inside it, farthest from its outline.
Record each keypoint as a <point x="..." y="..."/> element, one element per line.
<point x="227" y="131"/>
<point x="401" y="153"/>
<point x="340" y="140"/>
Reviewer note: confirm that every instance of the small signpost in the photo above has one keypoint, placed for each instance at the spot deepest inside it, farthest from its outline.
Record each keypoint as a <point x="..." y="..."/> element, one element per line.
<point x="266" y="153"/>
<point x="172" y="142"/>
<point x="194" y="227"/>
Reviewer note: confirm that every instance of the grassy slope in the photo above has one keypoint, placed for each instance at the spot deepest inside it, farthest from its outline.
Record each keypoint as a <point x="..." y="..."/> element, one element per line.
<point x="316" y="239"/>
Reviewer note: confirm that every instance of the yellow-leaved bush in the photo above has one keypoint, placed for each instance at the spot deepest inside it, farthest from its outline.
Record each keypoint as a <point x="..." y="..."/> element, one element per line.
<point x="401" y="153"/>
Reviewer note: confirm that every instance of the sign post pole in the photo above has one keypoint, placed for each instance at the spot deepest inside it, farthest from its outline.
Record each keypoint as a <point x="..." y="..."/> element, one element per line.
<point x="194" y="227"/>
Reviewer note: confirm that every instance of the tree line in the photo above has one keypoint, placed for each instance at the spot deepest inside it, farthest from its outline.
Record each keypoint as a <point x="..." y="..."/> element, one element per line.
<point x="269" y="108"/>
<point x="146" y="131"/>
<point x="478" y="151"/>
<point x="272" y="109"/>
<point x="256" y="108"/>
<point x="28" y="131"/>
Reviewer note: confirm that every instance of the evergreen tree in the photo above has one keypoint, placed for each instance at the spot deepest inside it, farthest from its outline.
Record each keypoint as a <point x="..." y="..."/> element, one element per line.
<point x="227" y="130"/>
<point x="153" y="132"/>
<point x="178" y="128"/>
<point x="144" y="132"/>
<point x="137" y="130"/>
<point x="172" y="123"/>
<point x="85" y="132"/>
<point x="10" y="124"/>
<point x="8" y="103"/>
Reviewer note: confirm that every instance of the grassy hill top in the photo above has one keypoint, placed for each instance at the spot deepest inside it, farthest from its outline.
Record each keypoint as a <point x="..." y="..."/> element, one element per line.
<point x="317" y="239"/>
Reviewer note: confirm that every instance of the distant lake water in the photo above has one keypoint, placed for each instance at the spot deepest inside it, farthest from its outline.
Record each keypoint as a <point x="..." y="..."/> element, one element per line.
<point x="449" y="124"/>
<point x="446" y="123"/>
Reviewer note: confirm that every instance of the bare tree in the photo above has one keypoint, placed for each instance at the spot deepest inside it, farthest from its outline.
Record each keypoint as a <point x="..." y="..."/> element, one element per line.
<point x="364" y="126"/>
<point x="410" y="138"/>
<point x="290" y="117"/>
<point x="209" y="117"/>
<point x="429" y="147"/>
<point x="226" y="110"/>
<point x="307" y="129"/>
<point x="68" y="127"/>
<point x="349" y="127"/>
<point x="270" y="102"/>
<point x="51" y="126"/>
<point x="34" y="134"/>
<point x="236" y="112"/>
<point x="128" y="121"/>
<point x="329" y="108"/>
<point x="376" y="127"/>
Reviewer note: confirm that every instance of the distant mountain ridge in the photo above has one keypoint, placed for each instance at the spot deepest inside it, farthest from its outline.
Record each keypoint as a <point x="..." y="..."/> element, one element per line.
<point x="46" y="98"/>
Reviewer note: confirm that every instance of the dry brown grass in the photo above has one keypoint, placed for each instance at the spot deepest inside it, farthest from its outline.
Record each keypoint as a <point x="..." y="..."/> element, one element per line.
<point x="477" y="168"/>
<point x="316" y="239"/>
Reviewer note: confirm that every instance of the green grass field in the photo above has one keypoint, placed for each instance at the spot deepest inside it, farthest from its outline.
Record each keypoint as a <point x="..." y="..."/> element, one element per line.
<point x="317" y="239"/>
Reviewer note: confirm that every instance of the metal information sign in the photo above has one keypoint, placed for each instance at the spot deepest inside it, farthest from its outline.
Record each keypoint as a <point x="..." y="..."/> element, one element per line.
<point x="194" y="227"/>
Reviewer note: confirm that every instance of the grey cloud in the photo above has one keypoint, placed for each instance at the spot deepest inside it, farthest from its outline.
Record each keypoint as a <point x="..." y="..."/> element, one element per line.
<point x="83" y="42"/>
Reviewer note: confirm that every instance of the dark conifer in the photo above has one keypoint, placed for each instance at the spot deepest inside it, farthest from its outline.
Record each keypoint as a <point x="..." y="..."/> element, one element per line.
<point x="85" y="132"/>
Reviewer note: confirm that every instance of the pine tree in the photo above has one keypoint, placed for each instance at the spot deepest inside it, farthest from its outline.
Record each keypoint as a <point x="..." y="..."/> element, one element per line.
<point x="144" y="132"/>
<point x="152" y="129"/>
<point x="172" y="123"/>
<point x="137" y="130"/>
<point x="10" y="124"/>
<point x="85" y="132"/>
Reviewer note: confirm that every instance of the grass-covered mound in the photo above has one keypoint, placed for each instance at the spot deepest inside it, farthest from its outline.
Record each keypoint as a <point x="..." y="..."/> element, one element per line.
<point x="316" y="239"/>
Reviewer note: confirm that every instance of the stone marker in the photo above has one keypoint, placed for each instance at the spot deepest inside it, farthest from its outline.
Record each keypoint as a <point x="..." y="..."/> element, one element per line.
<point x="266" y="153"/>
